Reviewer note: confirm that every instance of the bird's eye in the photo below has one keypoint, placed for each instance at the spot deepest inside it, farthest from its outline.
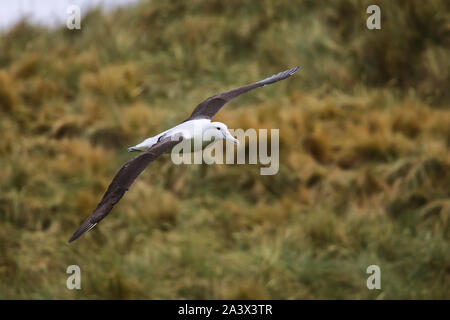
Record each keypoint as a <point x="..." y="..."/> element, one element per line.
<point x="218" y="128"/>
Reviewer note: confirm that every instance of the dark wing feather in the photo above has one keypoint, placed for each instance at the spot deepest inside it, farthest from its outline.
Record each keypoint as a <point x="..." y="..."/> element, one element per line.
<point x="208" y="108"/>
<point x="122" y="181"/>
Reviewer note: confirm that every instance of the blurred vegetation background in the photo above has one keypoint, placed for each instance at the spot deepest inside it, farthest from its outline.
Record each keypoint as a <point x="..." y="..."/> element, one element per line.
<point x="364" y="149"/>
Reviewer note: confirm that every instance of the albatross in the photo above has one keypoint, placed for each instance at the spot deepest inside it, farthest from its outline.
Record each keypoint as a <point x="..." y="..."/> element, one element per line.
<point x="191" y="129"/>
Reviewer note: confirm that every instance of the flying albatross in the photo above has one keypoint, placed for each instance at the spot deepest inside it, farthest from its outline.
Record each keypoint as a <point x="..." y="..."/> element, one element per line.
<point x="153" y="147"/>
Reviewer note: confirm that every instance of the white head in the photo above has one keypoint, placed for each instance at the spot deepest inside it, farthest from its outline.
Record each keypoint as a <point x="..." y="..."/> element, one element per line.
<point x="220" y="131"/>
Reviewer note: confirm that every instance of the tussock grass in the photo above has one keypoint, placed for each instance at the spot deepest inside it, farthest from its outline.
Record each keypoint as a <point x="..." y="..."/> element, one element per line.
<point x="364" y="153"/>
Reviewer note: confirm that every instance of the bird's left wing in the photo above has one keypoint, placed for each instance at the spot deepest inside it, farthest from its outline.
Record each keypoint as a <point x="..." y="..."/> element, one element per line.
<point x="208" y="108"/>
<point x="122" y="181"/>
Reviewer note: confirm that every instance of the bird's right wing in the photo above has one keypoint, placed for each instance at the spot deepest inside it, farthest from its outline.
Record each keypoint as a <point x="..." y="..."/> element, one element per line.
<point x="122" y="181"/>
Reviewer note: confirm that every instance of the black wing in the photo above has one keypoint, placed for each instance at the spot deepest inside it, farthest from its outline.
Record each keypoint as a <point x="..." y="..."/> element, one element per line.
<point x="122" y="181"/>
<point x="208" y="108"/>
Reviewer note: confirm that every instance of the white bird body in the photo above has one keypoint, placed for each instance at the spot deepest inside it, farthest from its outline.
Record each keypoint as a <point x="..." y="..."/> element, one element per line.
<point x="193" y="131"/>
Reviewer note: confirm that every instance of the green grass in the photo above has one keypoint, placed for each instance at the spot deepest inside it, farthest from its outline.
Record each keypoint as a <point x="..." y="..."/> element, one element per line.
<point x="364" y="153"/>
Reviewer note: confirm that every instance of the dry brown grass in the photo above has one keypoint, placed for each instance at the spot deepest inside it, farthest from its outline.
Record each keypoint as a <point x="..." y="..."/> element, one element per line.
<point x="364" y="153"/>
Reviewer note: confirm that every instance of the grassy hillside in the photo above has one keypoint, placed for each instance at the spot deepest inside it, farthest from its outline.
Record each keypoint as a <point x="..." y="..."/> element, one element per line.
<point x="364" y="149"/>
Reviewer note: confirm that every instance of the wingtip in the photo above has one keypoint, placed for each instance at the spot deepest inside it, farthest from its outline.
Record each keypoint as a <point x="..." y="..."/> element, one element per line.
<point x="294" y="70"/>
<point x="72" y="238"/>
<point x="85" y="227"/>
<point x="75" y="236"/>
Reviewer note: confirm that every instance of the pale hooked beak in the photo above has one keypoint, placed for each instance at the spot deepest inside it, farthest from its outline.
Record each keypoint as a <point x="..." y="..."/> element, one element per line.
<point x="232" y="139"/>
